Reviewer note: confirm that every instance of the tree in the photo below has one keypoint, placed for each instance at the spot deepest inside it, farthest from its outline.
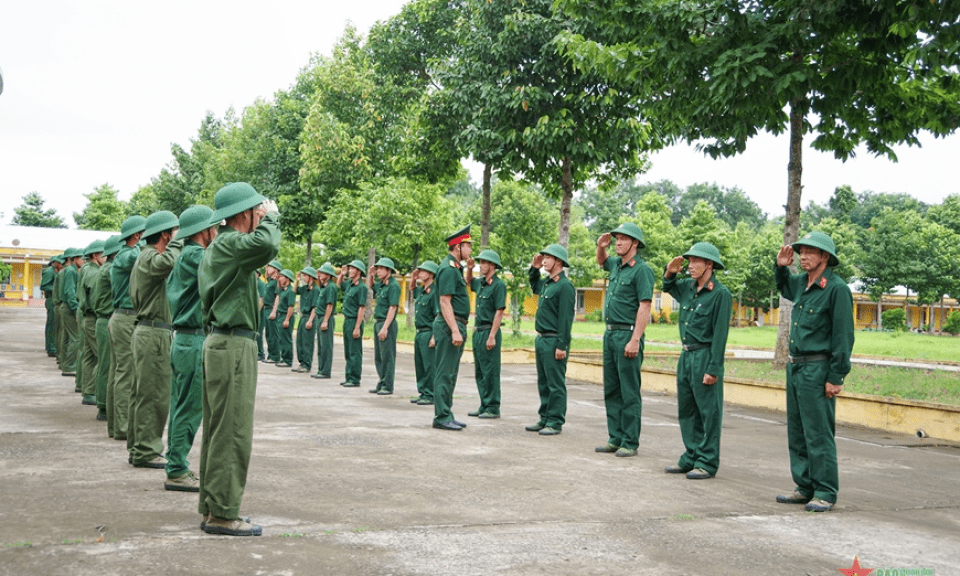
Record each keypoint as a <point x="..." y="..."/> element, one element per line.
<point x="659" y="234"/>
<point x="603" y="206"/>
<point x="947" y="213"/>
<point x="31" y="213"/>
<point x="103" y="211"/>
<point x="730" y="205"/>
<point x="890" y="253"/>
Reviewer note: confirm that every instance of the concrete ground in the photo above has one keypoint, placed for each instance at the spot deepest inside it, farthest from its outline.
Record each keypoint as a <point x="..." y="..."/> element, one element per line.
<point x="346" y="482"/>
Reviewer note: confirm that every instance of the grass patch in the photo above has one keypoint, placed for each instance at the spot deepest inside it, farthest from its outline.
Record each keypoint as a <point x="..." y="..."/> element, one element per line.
<point x="363" y="530"/>
<point x="17" y="544"/>
<point x="684" y="517"/>
<point x="292" y="535"/>
<point x="74" y="541"/>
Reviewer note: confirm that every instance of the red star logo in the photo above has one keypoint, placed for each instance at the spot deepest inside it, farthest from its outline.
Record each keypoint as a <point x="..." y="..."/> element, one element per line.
<point x="855" y="569"/>
<point x="823" y="282"/>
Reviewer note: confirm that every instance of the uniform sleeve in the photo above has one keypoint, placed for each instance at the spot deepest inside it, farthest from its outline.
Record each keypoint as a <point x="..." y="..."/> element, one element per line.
<point x="610" y="264"/>
<point x="475" y="285"/>
<point x="499" y="295"/>
<point x="536" y="284"/>
<point x="721" y="328"/>
<point x="672" y="286"/>
<point x="842" y="336"/>
<point x="362" y="295"/>
<point x="784" y="285"/>
<point x="70" y="291"/>
<point x="567" y="300"/>
<point x="160" y="264"/>
<point x="393" y="294"/>
<point x="260" y="247"/>
<point x="644" y="282"/>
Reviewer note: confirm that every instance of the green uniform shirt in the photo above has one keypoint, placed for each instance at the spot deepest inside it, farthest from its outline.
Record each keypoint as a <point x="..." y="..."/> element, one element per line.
<point x="491" y="296"/>
<point x="630" y="284"/>
<point x="288" y="298"/>
<point x="822" y="318"/>
<point x="120" y="275"/>
<point x="269" y="295"/>
<point x="227" y="274"/>
<point x="86" y="285"/>
<point x="148" y="282"/>
<point x="450" y="282"/>
<point x="308" y="298"/>
<point x="327" y="295"/>
<point x="183" y="291"/>
<point x="354" y="297"/>
<point x="261" y="288"/>
<point x="426" y="307"/>
<point x="103" y="293"/>
<point x="387" y="295"/>
<point x="69" y="287"/>
<point x="58" y="287"/>
<point x="555" y="307"/>
<point x="704" y="315"/>
<point x="47" y="278"/>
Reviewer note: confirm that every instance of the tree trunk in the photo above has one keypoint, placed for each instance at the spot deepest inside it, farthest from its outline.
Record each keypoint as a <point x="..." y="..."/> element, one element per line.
<point x="306" y="261"/>
<point x="880" y="313"/>
<point x="485" y="214"/>
<point x="791" y="227"/>
<point x="371" y="260"/>
<point x="563" y="238"/>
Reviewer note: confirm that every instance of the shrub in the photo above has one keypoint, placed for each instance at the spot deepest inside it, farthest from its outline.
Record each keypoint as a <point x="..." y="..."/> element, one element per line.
<point x="895" y="319"/>
<point x="953" y="323"/>
<point x="595" y="315"/>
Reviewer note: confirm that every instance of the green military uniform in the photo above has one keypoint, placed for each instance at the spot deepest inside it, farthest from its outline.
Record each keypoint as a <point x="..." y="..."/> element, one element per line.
<point x="554" y="321"/>
<point x="103" y="308"/>
<point x="704" y="323"/>
<point x="261" y="292"/>
<point x="88" y="325"/>
<point x="57" y="314"/>
<point x="68" y="311"/>
<point x="228" y="296"/>
<point x="270" y="328"/>
<point x="305" y="336"/>
<point x="423" y="355"/>
<point x="449" y="282"/>
<point x="50" y="328"/>
<point x="821" y="342"/>
<point x="122" y="324"/>
<point x="150" y="400"/>
<point x="327" y="296"/>
<point x="387" y="294"/>
<point x="491" y="296"/>
<point x="354" y="298"/>
<point x="288" y="299"/>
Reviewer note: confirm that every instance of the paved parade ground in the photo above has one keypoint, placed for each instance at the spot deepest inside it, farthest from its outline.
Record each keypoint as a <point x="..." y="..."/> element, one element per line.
<point x="345" y="482"/>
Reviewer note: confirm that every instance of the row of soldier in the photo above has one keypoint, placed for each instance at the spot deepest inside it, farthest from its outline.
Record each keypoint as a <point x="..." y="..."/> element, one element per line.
<point x="159" y="276"/>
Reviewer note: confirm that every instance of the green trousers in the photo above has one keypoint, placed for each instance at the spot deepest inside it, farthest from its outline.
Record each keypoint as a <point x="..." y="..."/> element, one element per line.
<point x="78" y="379"/>
<point x="352" y="351"/>
<point x="270" y="333"/>
<point x="229" y="391"/>
<point x="261" y="354"/>
<point x="700" y="412"/>
<point x="325" y="346"/>
<point x="88" y="372"/>
<point x="150" y="401"/>
<point x="186" y="402"/>
<point x="385" y="355"/>
<point x="103" y="366"/>
<point x="70" y="335"/>
<point x="61" y="334"/>
<point x="305" y="340"/>
<point x="285" y="339"/>
<point x="121" y="364"/>
<point x="447" y="362"/>
<point x="486" y="370"/>
<point x="50" y="328"/>
<point x="621" y="389"/>
<point x="551" y="383"/>
<point x="423" y="363"/>
<point x="811" y="429"/>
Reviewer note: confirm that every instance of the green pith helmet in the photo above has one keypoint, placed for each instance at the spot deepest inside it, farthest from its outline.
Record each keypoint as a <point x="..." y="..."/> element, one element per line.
<point x="93" y="248"/>
<point x="233" y="199"/>
<point x="491" y="257"/>
<point x="359" y="266"/>
<point x="707" y="251"/>
<point x="310" y="271"/>
<point x="386" y="263"/>
<point x="287" y="273"/>
<point x="131" y="226"/>
<point x="69" y="254"/>
<point x="559" y="252"/>
<point x="327" y="268"/>
<point x="276" y="264"/>
<point x="195" y="219"/>
<point x="632" y="230"/>
<point x="460" y="236"/>
<point x="821" y="241"/>
<point x="112" y="245"/>
<point x="58" y="259"/>
<point x="429" y="266"/>
<point x="160" y="222"/>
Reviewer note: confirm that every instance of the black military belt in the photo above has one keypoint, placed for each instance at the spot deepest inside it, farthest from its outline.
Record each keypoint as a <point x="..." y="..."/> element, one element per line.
<point x="155" y="324"/>
<point x="692" y="347"/>
<point x="481" y="327"/>
<point x="379" y="319"/>
<point x="420" y="330"/>
<point x="103" y="316"/>
<point x="457" y="318"/>
<point x="548" y="334"/>
<point x="619" y="326"/>
<point x="809" y="358"/>
<point x="127" y="311"/>
<point x="195" y="331"/>
<point x="89" y="314"/>
<point x="234" y="332"/>
<point x="47" y="293"/>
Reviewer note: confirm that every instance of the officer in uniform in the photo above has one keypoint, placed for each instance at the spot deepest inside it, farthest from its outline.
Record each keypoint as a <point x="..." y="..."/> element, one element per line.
<point x="68" y="313"/>
<point x="423" y="344"/>
<point x="103" y="308"/>
<point x="491" y="301"/>
<point x="269" y="305"/>
<point x="150" y="401"/>
<point x="704" y="321"/>
<point x="323" y="319"/>
<point x="821" y="342"/>
<point x="354" y="300"/>
<point x="282" y="317"/>
<point x="386" y="291"/>
<point x="261" y="292"/>
<point x="554" y="321"/>
<point x="46" y="286"/>
<point x="450" y="327"/>
<point x="228" y="296"/>
<point x="58" y="319"/>
<point x="306" y="330"/>
<point x="627" y="311"/>
<point x="197" y="231"/>
<point x="88" y="321"/>
<point x="122" y="323"/>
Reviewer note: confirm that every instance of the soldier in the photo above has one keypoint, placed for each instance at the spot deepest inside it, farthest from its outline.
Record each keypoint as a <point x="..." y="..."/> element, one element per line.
<point x="555" y="309"/>
<point x="261" y="292"/>
<point x="306" y="330"/>
<point x="627" y="311"/>
<point x="68" y="313"/>
<point x="704" y="321"/>
<point x="282" y="315"/>
<point x="450" y="327"/>
<point x="228" y="294"/>
<point x="87" y="318"/>
<point x="491" y="301"/>
<point x="821" y="342"/>
<point x="269" y="303"/>
<point x="150" y="400"/>
<point x="122" y="323"/>
<point x="57" y="315"/>
<point x="103" y="308"/>
<point x="46" y="285"/>
<point x="386" y="291"/>
<point x="354" y="300"/>
<point x="423" y="343"/>
<point x="322" y="319"/>
<point x="197" y="231"/>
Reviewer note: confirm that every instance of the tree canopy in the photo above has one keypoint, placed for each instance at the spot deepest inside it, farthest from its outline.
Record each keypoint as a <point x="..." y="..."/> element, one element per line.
<point x="32" y="213"/>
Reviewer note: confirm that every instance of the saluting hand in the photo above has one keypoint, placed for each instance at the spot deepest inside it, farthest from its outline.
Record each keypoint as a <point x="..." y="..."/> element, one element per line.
<point x="605" y="240"/>
<point x="785" y="256"/>
<point x="538" y="261"/>
<point x="675" y="265"/>
<point x="471" y="263"/>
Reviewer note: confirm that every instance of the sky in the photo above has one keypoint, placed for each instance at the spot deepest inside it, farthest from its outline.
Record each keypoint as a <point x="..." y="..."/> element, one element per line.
<point x="95" y="92"/>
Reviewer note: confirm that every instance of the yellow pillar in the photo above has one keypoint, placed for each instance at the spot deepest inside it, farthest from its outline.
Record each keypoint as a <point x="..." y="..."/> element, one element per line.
<point x="27" y="280"/>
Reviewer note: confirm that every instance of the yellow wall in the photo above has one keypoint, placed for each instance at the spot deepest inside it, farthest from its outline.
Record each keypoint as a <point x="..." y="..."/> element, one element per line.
<point x="27" y="265"/>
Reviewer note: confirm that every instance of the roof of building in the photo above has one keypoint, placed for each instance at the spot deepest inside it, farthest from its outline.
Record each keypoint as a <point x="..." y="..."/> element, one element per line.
<point x="59" y="239"/>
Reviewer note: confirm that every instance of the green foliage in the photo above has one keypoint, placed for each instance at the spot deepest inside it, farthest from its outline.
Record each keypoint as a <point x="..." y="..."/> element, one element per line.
<point x="952" y="325"/>
<point x="895" y="319"/>
<point x="659" y="235"/>
<point x="103" y="211"/>
<point x="31" y="213"/>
